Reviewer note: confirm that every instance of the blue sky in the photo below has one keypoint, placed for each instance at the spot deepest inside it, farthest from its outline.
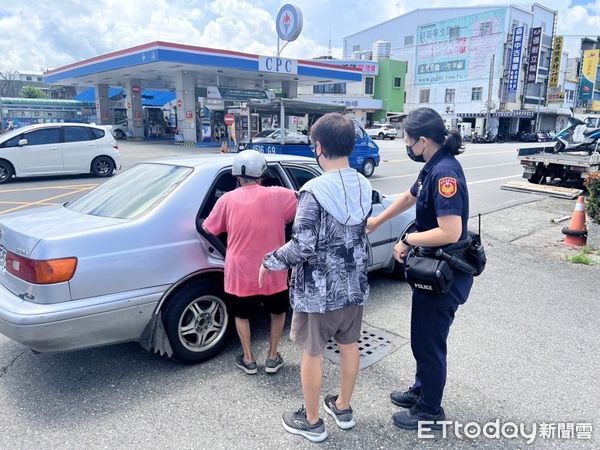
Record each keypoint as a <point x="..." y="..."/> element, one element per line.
<point x="45" y="34"/>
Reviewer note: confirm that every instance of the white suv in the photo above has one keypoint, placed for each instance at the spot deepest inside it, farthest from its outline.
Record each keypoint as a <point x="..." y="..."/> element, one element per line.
<point x="56" y="149"/>
<point x="382" y="131"/>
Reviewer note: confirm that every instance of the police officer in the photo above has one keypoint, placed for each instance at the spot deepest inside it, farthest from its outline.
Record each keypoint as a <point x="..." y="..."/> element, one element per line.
<point x="442" y="210"/>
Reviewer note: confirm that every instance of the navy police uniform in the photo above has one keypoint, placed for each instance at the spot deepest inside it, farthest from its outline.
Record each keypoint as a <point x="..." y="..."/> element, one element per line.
<point x="441" y="190"/>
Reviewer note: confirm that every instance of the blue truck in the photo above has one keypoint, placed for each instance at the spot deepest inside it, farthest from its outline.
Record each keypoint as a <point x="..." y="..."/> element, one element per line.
<point x="364" y="158"/>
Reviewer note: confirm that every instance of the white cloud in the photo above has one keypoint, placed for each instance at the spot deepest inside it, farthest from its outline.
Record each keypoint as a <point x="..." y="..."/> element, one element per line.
<point x="46" y="34"/>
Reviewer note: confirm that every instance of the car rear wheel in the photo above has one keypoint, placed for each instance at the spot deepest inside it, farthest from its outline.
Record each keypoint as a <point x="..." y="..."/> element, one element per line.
<point x="196" y="321"/>
<point x="368" y="168"/>
<point x="6" y="171"/>
<point x="103" y="166"/>
<point x="381" y="136"/>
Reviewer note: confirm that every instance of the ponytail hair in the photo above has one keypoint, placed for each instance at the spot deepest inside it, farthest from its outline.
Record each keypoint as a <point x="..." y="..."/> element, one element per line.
<point x="428" y="123"/>
<point x="453" y="143"/>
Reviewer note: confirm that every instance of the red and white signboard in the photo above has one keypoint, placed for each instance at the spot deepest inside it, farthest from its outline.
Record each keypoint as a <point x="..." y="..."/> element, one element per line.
<point x="135" y="89"/>
<point x="229" y="119"/>
<point x="179" y="103"/>
<point x="189" y="115"/>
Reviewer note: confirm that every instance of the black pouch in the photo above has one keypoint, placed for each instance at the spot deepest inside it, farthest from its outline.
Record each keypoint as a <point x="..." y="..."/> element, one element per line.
<point x="475" y="254"/>
<point x="428" y="274"/>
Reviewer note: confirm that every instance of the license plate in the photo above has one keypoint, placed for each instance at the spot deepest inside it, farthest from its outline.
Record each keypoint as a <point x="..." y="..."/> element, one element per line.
<point x="529" y="169"/>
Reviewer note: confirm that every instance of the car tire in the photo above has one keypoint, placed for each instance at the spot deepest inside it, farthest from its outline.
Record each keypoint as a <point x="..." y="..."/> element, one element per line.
<point x="6" y="171"/>
<point x="398" y="270"/>
<point x="392" y="138"/>
<point x="119" y="134"/>
<point x="103" y="166"/>
<point x="381" y="136"/>
<point x="368" y="168"/>
<point x="196" y="321"/>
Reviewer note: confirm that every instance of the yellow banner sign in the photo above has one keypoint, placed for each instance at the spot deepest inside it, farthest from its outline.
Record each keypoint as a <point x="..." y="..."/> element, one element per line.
<point x="595" y="105"/>
<point x="588" y="72"/>
<point x="557" y="50"/>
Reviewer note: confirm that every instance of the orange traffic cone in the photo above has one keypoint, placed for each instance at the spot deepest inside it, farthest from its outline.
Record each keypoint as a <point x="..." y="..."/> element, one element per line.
<point x="576" y="234"/>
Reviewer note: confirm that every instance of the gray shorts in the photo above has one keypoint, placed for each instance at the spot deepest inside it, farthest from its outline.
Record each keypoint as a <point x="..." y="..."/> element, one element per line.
<point x="313" y="330"/>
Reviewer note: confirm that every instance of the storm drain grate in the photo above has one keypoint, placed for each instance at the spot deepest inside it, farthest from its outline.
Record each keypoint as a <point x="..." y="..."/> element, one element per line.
<point x="373" y="346"/>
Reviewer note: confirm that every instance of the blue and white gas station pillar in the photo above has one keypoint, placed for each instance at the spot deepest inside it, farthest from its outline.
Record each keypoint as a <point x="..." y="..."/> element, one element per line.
<point x="185" y="87"/>
<point x="135" y="112"/>
<point x="102" y="105"/>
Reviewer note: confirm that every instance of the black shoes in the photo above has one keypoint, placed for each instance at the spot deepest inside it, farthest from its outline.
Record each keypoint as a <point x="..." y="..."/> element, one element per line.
<point x="405" y="399"/>
<point x="410" y="418"/>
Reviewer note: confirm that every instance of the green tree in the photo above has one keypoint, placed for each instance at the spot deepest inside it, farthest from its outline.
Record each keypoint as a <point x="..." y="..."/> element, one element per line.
<point x="32" y="92"/>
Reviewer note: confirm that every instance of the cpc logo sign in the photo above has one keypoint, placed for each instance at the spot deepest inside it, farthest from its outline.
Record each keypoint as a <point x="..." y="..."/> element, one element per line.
<point x="277" y="65"/>
<point x="289" y="22"/>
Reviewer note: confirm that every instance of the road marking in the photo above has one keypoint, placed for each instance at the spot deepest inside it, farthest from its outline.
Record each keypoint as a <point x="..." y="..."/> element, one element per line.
<point x="489" y="180"/>
<point x="44" y="200"/>
<point x="464" y="168"/>
<point x="494" y="179"/>
<point x="464" y="155"/>
<point x="2" y="202"/>
<point x="73" y="186"/>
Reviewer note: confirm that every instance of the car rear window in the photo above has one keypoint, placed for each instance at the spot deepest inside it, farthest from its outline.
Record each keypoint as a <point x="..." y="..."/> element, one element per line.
<point x="98" y="134"/>
<point x="132" y="193"/>
<point x="77" y="134"/>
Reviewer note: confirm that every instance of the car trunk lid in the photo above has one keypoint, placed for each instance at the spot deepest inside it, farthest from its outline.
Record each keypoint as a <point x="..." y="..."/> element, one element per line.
<point x="21" y="233"/>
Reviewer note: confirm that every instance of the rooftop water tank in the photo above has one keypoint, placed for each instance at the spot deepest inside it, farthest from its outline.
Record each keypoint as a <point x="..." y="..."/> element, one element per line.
<point x="381" y="50"/>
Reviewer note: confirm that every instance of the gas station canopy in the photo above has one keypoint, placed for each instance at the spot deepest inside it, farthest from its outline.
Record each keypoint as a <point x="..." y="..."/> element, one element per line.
<point x="155" y="65"/>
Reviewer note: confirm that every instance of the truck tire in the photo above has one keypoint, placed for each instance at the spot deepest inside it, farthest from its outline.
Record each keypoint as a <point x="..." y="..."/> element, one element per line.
<point x="559" y="147"/>
<point x="536" y="178"/>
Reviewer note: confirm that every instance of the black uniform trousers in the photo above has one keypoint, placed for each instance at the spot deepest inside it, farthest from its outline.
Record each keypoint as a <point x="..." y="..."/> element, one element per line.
<point x="431" y="317"/>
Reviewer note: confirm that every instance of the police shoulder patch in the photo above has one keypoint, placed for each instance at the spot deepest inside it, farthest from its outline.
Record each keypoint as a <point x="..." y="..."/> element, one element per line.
<point x="447" y="186"/>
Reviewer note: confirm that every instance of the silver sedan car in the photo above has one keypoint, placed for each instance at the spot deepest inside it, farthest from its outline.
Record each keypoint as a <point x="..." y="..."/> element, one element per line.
<point x="129" y="261"/>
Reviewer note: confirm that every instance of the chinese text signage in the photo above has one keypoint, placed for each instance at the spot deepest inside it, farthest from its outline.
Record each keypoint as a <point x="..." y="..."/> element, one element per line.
<point x="535" y="46"/>
<point x="515" y="60"/>
<point x="459" y="49"/>
<point x="557" y="49"/>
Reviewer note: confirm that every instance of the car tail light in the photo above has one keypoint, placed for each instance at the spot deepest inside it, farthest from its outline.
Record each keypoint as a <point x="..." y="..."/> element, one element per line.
<point x="47" y="271"/>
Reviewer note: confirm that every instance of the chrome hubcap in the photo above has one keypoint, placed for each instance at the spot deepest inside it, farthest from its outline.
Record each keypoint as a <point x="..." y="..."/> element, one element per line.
<point x="203" y="323"/>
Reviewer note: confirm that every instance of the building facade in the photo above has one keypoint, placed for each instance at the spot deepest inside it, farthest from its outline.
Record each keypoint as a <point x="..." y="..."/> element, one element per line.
<point x="377" y="96"/>
<point x="484" y="66"/>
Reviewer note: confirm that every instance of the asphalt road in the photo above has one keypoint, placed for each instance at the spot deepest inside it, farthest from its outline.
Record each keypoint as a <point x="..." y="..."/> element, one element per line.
<point x="486" y="166"/>
<point x="523" y="349"/>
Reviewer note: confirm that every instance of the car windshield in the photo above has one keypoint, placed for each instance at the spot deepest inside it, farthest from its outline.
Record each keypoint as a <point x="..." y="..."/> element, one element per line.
<point x="264" y="133"/>
<point x="132" y="193"/>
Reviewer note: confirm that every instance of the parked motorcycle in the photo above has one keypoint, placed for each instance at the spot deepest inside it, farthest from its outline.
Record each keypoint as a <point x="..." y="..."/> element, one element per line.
<point x="576" y="137"/>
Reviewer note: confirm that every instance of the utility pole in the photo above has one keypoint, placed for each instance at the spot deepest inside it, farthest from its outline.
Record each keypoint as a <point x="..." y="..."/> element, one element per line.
<point x="489" y="96"/>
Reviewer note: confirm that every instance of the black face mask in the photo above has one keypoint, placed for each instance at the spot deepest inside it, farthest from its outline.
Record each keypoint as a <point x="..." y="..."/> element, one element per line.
<point x="317" y="156"/>
<point x="411" y="154"/>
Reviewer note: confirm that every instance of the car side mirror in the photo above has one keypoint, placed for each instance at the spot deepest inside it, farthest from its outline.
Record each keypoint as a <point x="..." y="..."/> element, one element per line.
<point x="22" y="142"/>
<point x="375" y="197"/>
